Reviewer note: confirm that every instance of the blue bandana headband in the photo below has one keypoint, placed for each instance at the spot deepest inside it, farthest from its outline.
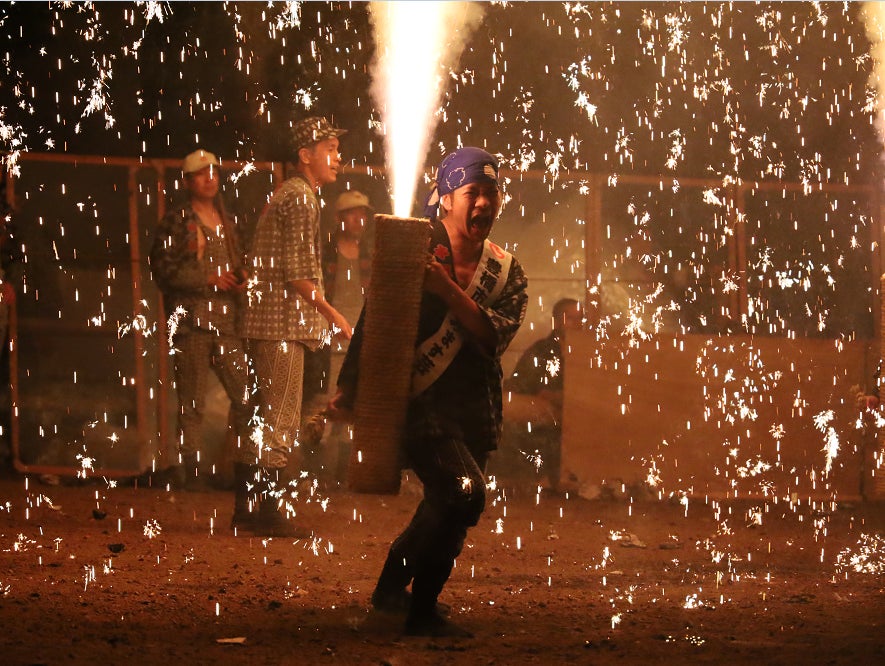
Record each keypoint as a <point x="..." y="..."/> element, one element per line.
<point x="465" y="166"/>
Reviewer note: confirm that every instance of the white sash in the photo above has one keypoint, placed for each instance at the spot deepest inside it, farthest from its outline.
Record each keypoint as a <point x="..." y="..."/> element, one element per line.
<point x="435" y="354"/>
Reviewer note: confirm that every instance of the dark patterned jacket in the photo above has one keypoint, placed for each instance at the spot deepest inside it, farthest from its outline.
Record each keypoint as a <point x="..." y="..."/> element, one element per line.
<point x="181" y="275"/>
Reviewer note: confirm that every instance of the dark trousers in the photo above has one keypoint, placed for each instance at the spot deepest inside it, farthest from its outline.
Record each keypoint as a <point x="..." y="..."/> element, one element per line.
<point x="454" y="499"/>
<point x="199" y="351"/>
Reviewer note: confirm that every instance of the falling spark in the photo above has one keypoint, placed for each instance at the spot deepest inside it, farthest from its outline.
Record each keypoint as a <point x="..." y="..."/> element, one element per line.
<point x="831" y="437"/>
<point x="553" y="366"/>
<point x="534" y="458"/>
<point x="153" y="9"/>
<point x="22" y="543"/>
<point x="88" y="575"/>
<point x="248" y="168"/>
<point x="138" y="324"/>
<point x="290" y="16"/>
<point x="152" y="529"/>
<point x="87" y="464"/>
<point x="867" y="557"/>
<point x="754" y="516"/>
<point x="692" y="601"/>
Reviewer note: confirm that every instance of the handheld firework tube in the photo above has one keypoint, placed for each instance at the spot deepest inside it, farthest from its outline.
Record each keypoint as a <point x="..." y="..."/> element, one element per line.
<point x="390" y="328"/>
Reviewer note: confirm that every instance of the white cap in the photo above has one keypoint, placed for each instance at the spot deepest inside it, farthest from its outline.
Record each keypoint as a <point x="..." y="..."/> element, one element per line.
<point x="199" y="159"/>
<point x="352" y="199"/>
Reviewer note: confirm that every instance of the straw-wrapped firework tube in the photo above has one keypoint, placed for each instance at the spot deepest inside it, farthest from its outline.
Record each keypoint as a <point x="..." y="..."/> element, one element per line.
<point x="390" y="329"/>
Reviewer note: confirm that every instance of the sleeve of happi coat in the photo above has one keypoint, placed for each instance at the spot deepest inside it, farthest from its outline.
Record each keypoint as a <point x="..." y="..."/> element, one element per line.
<point x="506" y="314"/>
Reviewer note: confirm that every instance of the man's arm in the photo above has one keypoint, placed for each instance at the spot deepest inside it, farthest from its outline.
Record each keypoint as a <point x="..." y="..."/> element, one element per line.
<point x="308" y="291"/>
<point x="492" y="327"/>
<point x="472" y="319"/>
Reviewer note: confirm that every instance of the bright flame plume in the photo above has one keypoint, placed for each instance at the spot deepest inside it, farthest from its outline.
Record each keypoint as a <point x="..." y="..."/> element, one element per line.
<point x="416" y="43"/>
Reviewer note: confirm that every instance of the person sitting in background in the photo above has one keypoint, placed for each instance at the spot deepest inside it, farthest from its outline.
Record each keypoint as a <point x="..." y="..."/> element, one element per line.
<point x="538" y="378"/>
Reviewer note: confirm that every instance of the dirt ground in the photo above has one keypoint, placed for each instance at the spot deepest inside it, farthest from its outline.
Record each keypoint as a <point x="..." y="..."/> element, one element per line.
<point x="543" y="579"/>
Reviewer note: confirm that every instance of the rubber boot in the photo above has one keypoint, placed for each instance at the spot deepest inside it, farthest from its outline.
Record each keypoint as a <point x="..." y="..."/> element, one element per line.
<point x="271" y="521"/>
<point x="390" y="594"/>
<point x="425" y="618"/>
<point x="245" y="506"/>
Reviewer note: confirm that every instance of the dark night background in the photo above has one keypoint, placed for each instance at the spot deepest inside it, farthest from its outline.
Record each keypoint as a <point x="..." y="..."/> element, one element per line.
<point x="226" y="73"/>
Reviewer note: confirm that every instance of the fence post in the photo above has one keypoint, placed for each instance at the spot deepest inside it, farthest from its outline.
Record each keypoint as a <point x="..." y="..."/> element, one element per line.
<point x="163" y="452"/>
<point x="141" y="389"/>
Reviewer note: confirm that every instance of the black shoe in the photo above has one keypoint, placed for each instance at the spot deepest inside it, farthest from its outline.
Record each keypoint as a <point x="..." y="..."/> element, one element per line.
<point x="271" y="520"/>
<point x="244" y="521"/>
<point x="267" y="525"/>
<point x="400" y="602"/>
<point x="433" y="625"/>
<point x="271" y="523"/>
<point x="391" y="602"/>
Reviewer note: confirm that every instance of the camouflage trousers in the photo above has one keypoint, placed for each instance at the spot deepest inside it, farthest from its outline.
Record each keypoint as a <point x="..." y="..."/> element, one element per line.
<point x="279" y="377"/>
<point x="198" y="351"/>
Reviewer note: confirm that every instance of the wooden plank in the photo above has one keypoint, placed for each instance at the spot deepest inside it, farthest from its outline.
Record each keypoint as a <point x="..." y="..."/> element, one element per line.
<point x="723" y="417"/>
